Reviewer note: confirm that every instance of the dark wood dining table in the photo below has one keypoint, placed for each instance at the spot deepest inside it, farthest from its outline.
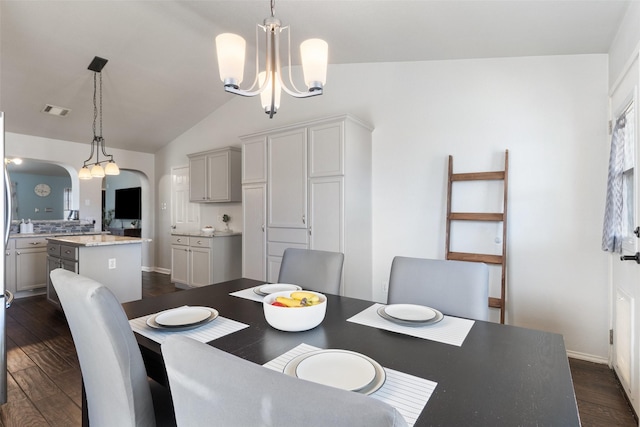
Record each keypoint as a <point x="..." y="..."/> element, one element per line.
<point x="501" y="375"/>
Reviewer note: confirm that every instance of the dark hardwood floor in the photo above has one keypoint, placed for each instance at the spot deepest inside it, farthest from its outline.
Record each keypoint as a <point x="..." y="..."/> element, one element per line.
<point x="45" y="385"/>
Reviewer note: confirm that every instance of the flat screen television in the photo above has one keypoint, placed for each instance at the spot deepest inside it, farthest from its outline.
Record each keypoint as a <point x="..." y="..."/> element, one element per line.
<point x="128" y="203"/>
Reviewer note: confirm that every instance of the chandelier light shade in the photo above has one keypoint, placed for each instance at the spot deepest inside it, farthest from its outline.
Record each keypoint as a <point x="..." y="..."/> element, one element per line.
<point x="98" y="144"/>
<point x="269" y="82"/>
<point x="314" y="54"/>
<point x="265" y="96"/>
<point x="231" y="50"/>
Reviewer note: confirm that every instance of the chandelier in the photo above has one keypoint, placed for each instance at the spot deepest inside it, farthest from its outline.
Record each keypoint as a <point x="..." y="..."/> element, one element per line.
<point x="269" y="83"/>
<point x="98" y="145"/>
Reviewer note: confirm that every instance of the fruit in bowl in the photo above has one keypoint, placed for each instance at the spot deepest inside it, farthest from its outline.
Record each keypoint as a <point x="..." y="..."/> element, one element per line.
<point x="294" y="311"/>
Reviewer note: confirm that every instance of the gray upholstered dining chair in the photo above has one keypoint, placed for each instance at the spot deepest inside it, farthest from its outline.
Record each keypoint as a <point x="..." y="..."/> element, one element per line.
<point x="319" y="271"/>
<point x="210" y="387"/>
<point x="456" y="288"/>
<point x="113" y="372"/>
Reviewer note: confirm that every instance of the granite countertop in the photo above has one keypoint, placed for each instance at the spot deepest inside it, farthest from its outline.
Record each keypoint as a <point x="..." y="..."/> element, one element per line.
<point x="203" y="234"/>
<point x="96" y="240"/>
<point x="46" y="235"/>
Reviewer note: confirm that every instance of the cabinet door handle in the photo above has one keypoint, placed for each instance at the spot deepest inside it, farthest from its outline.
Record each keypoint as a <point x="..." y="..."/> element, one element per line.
<point x="199" y="242"/>
<point x="34" y="243"/>
<point x="18" y="253"/>
<point x="309" y="231"/>
<point x="262" y="226"/>
<point x="304" y="220"/>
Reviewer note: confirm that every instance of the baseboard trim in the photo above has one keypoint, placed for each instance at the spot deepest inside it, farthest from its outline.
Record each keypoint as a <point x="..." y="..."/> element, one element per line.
<point x="156" y="270"/>
<point x="587" y="357"/>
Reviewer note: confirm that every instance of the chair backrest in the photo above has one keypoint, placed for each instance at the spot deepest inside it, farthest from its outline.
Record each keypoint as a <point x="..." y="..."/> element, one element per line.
<point x="457" y="288"/>
<point x="113" y="371"/>
<point x="319" y="271"/>
<point x="210" y="387"/>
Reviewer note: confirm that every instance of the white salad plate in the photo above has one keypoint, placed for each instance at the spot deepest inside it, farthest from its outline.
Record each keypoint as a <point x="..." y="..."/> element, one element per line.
<point x="265" y="290"/>
<point x="410" y="312"/>
<point x="178" y="319"/>
<point x="382" y="312"/>
<point x="342" y="369"/>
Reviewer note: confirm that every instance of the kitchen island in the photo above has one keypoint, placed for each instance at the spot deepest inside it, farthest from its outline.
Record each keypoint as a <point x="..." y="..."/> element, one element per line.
<point x="114" y="261"/>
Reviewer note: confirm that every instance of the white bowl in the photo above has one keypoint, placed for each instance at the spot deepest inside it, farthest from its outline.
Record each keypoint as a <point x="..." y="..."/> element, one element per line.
<point x="208" y="230"/>
<point x="294" y="319"/>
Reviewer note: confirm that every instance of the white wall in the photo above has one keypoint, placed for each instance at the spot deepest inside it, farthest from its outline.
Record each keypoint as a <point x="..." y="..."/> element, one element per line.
<point x="550" y="112"/>
<point x="72" y="155"/>
<point x="625" y="43"/>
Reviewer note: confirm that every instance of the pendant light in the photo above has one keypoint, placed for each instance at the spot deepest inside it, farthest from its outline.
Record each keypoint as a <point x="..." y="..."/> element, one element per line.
<point x="98" y="144"/>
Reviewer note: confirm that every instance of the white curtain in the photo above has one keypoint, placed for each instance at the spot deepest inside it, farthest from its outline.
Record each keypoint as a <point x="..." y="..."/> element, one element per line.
<point x="612" y="232"/>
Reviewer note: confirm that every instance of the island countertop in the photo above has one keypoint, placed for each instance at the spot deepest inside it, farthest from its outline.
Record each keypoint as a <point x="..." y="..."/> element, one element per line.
<point x="96" y="240"/>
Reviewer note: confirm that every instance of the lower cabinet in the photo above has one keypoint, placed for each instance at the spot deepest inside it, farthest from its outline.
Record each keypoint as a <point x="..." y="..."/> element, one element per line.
<point x="26" y="264"/>
<point x="205" y="260"/>
<point x="117" y="266"/>
<point x="59" y="256"/>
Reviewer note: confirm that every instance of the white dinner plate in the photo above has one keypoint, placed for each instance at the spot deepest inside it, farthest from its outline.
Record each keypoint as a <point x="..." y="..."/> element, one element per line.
<point x="410" y="312"/>
<point x="211" y="314"/>
<point x="183" y="316"/>
<point x="382" y="313"/>
<point x="342" y="369"/>
<point x="265" y="290"/>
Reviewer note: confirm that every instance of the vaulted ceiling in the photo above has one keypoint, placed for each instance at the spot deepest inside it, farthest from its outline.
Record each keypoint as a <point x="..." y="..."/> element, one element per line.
<point x="162" y="79"/>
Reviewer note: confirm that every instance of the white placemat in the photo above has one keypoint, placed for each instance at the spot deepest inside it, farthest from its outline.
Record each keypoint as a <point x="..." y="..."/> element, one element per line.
<point x="450" y="330"/>
<point x="215" y="329"/>
<point x="407" y="393"/>
<point x="248" y="294"/>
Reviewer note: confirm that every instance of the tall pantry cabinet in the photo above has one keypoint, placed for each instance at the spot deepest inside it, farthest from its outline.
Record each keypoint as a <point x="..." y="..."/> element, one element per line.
<point x="309" y="186"/>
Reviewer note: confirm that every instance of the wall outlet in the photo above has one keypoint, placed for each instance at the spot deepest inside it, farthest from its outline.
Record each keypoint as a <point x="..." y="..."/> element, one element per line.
<point x="112" y="263"/>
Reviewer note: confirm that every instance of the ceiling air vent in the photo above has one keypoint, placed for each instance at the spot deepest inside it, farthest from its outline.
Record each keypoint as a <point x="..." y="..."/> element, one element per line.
<point x="55" y="110"/>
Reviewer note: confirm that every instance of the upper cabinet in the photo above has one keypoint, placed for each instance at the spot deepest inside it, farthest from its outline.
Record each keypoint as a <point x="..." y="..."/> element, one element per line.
<point x="214" y="176"/>
<point x="254" y="160"/>
<point x="287" y="177"/>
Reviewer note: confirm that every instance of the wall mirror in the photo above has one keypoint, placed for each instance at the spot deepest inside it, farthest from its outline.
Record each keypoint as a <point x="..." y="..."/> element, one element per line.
<point x="41" y="191"/>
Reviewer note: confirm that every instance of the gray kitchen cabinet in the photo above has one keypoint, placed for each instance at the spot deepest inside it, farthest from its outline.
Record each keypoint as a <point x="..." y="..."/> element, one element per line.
<point x="318" y="188"/>
<point x="214" y="176"/>
<point x="254" y="235"/>
<point x="180" y="259"/>
<point x="30" y="263"/>
<point x="198" y="260"/>
<point x="113" y="261"/>
<point x="59" y="256"/>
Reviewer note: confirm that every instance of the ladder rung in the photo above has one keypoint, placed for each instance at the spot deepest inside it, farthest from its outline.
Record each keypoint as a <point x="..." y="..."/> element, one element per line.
<point x="495" y="302"/>
<point x="477" y="176"/>
<point x="473" y="216"/>
<point x="462" y="256"/>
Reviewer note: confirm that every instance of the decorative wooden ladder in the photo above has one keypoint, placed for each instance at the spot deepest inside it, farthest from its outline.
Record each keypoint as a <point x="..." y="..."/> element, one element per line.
<point x="500" y="260"/>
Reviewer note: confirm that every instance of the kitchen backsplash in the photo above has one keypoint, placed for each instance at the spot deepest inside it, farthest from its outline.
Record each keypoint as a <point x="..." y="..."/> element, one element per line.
<point x="48" y="227"/>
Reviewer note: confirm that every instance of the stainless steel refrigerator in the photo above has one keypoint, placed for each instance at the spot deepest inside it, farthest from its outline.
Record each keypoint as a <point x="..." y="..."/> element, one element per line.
<point x="5" y="295"/>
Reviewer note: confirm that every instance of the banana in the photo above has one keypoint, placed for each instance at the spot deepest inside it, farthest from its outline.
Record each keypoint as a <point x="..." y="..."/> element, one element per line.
<point x="289" y="302"/>
<point x="300" y="295"/>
